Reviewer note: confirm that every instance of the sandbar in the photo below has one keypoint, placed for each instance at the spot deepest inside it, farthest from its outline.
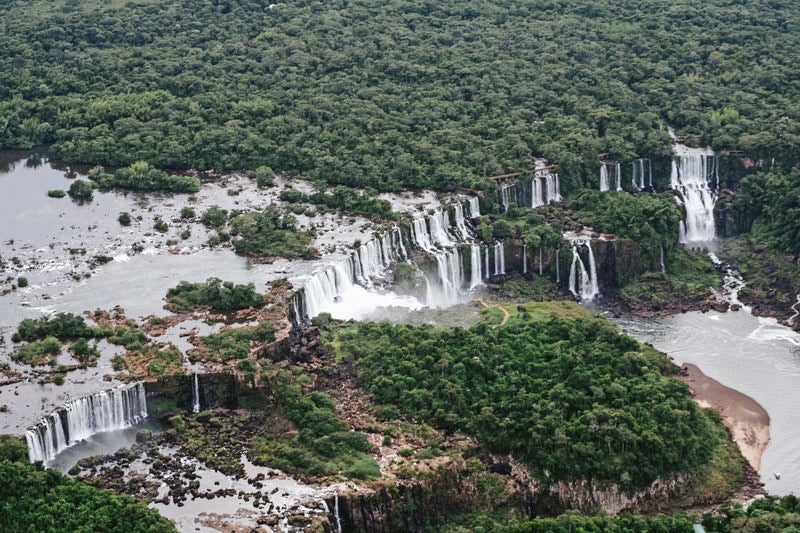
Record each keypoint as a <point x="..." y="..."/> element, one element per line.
<point x="747" y="421"/>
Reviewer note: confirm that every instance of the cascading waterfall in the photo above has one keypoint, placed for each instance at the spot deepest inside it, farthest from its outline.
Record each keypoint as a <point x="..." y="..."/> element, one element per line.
<point x="499" y="259"/>
<point x="663" y="267"/>
<point x="419" y="233"/>
<point x="195" y="393"/>
<point x="586" y="289"/>
<point x="437" y="234"/>
<point x="690" y="176"/>
<point x="545" y="189"/>
<point x="475" y="279"/>
<point x="474" y="207"/>
<point x="508" y="194"/>
<point x="447" y="291"/>
<point x="486" y="271"/>
<point x="81" y="418"/>
<point x="461" y="229"/>
<point x="618" y="177"/>
<point x="603" y="178"/>
<point x="439" y="222"/>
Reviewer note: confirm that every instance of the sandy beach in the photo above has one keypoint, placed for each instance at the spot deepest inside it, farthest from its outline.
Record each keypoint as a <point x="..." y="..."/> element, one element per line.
<point x="746" y="419"/>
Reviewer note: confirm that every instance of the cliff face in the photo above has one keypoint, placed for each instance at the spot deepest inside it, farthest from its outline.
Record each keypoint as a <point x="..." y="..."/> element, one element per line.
<point x="592" y="497"/>
<point x="618" y="262"/>
<point x="424" y="504"/>
<point x="427" y="504"/>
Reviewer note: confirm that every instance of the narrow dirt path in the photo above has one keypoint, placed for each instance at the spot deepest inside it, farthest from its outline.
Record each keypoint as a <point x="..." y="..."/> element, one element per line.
<point x="506" y="314"/>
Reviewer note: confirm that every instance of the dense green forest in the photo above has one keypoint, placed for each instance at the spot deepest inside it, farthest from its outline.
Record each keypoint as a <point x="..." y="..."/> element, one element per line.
<point x="399" y="93"/>
<point x="766" y="514"/>
<point x="35" y="499"/>
<point x="572" y="398"/>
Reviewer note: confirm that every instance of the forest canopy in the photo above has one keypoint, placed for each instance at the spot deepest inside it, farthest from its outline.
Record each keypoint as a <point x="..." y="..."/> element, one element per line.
<point x="571" y="398"/>
<point x="35" y="499"/>
<point x="400" y="93"/>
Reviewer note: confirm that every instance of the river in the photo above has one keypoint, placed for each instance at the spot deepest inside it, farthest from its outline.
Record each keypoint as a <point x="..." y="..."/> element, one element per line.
<point x="756" y="356"/>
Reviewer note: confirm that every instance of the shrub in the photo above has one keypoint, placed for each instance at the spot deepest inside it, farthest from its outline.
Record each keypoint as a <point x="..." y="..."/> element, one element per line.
<point x="215" y="216"/>
<point x="57" y="193"/>
<point x="81" y="190"/>
<point x="124" y="219"/>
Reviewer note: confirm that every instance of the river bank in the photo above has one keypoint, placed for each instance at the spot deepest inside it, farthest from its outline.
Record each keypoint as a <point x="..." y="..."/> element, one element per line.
<point x="746" y="419"/>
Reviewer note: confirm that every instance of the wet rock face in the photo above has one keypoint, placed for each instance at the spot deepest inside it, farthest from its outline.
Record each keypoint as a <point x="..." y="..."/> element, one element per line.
<point x="216" y="391"/>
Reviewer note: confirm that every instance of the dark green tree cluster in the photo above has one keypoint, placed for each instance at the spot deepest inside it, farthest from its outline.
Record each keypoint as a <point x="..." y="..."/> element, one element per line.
<point x="764" y="514"/>
<point x="63" y="326"/>
<point x="141" y="176"/>
<point x="270" y="233"/>
<point x="35" y="499"/>
<point x="398" y="93"/>
<point x="652" y="220"/>
<point x="768" y="206"/>
<point x="214" y="293"/>
<point x="81" y="190"/>
<point x="345" y="199"/>
<point x="571" y="398"/>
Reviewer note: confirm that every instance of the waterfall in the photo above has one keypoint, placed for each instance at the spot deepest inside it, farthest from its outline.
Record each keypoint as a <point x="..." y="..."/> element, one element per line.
<point x="553" y="188"/>
<point x="558" y="265"/>
<point x="638" y="174"/>
<point x="524" y="258"/>
<point x="486" y="271"/>
<point x="618" y="179"/>
<point x="536" y="193"/>
<point x="461" y="228"/>
<point x="586" y="288"/>
<point x="499" y="259"/>
<point x="450" y="279"/>
<point x="603" y="178"/>
<point x="420" y="235"/>
<point x="508" y="194"/>
<point x="439" y="223"/>
<point x="326" y="286"/>
<point x="81" y="418"/>
<point x="195" y="393"/>
<point x="661" y="250"/>
<point x="690" y="176"/>
<point x="336" y="513"/>
<point x="436" y="234"/>
<point x="540" y="259"/>
<point x="474" y="207"/>
<point x="475" y="266"/>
